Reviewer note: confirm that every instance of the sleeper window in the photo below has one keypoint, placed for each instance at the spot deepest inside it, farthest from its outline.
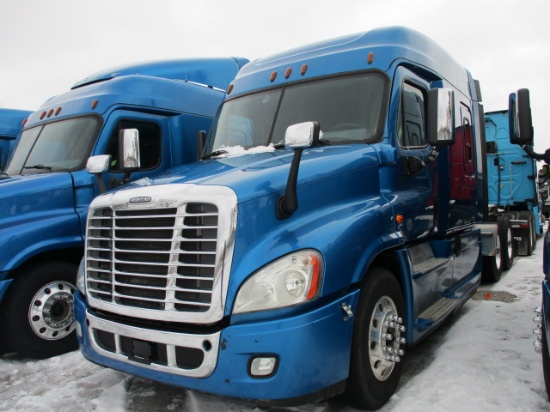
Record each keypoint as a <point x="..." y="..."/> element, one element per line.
<point x="412" y="123"/>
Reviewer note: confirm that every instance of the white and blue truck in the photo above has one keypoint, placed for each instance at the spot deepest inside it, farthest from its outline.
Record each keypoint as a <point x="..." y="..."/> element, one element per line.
<point x="45" y="188"/>
<point x="338" y="215"/>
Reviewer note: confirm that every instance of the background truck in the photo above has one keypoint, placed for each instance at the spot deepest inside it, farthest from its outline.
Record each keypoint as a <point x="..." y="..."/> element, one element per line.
<point x="11" y="122"/>
<point x="338" y="214"/>
<point x="522" y="134"/>
<point x="45" y="189"/>
<point x="513" y="186"/>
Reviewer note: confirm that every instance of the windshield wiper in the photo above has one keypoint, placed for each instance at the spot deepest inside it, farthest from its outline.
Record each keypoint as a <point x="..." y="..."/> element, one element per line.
<point x="40" y="167"/>
<point x="214" y="153"/>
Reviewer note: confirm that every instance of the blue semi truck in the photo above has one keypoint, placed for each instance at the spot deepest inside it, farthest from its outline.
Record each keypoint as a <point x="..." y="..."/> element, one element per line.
<point x="45" y="188"/>
<point x="337" y="216"/>
<point x="513" y="187"/>
<point x="11" y="122"/>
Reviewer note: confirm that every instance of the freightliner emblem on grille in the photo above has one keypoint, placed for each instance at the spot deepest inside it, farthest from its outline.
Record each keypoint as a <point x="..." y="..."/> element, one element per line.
<point x="140" y="199"/>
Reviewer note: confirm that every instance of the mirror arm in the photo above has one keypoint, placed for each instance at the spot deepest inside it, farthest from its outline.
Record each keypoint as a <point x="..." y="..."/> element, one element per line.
<point x="288" y="203"/>
<point x="100" y="183"/>
<point x="532" y="154"/>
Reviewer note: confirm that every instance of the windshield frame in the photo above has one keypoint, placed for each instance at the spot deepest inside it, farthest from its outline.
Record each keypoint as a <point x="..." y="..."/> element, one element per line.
<point x="26" y="165"/>
<point x="213" y="149"/>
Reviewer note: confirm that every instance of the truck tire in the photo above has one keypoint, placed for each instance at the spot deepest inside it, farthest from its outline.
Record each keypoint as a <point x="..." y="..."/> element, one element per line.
<point x="506" y="242"/>
<point x="491" y="269"/>
<point x="377" y="347"/>
<point x="37" y="315"/>
<point x="527" y="242"/>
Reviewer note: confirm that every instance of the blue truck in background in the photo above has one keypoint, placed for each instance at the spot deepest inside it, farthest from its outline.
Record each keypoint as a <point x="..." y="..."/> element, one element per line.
<point x="513" y="187"/>
<point x="45" y="188"/>
<point x="338" y="215"/>
<point x="11" y="122"/>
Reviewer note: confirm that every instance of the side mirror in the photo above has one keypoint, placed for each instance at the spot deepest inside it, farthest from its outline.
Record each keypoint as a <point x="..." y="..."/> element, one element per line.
<point x="128" y="149"/>
<point x="519" y="117"/>
<point x="98" y="164"/>
<point x="298" y="136"/>
<point x="440" y="117"/>
<point x="302" y="135"/>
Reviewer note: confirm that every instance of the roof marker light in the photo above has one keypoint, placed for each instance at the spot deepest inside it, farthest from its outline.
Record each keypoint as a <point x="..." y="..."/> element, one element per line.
<point x="303" y="70"/>
<point x="288" y="73"/>
<point x="50" y="112"/>
<point x="57" y="111"/>
<point x="229" y="88"/>
<point x="42" y="115"/>
<point x="273" y="76"/>
<point x="370" y="58"/>
<point x="94" y="103"/>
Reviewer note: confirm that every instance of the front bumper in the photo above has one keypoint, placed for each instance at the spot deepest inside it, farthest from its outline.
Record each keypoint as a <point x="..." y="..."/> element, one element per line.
<point x="312" y="352"/>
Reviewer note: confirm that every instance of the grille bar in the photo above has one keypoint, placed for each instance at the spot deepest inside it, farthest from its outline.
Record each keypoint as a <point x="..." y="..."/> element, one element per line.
<point x="160" y="259"/>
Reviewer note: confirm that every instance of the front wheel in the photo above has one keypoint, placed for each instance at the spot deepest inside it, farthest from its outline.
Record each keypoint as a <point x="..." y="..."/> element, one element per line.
<point x="378" y="343"/>
<point x="37" y="314"/>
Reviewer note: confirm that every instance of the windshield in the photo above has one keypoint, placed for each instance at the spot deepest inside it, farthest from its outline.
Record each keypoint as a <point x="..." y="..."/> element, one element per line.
<point x="349" y="110"/>
<point x="54" y="147"/>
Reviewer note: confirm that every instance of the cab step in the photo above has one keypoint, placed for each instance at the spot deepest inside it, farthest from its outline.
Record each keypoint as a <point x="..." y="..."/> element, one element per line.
<point x="439" y="310"/>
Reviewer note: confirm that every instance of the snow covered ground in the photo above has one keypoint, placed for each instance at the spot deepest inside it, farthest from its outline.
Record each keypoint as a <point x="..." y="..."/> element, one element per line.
<point x="481" y="360"/>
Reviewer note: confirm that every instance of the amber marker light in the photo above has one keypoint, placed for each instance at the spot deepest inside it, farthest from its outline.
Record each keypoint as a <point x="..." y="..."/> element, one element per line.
<point x="57" y="111"/>
<point x="288" y="72"/>
<point x="230" y="89"/>
<point x="370" y="58"/>
<point x="42" y="115"/>
<point x="316" y="274"/>
<point x="303" y="70"/>
<point x="50" y="112"/>
<point x="399" y="219"/>
<point x="24" y="122"/>
<point x="94" y="103"/>
<point x="273" y="76"/>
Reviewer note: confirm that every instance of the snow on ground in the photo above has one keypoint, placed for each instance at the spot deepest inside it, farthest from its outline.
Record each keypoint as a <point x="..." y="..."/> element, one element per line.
<point x="481" y="360"/>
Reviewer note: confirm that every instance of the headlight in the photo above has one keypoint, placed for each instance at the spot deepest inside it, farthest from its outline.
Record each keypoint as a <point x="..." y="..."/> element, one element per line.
<point x="287" y="281"/>
<point x="81" y="278"/>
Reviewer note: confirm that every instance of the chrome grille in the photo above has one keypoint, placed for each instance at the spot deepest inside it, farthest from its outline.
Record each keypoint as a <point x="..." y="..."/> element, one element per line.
<point x="160" y="259"/>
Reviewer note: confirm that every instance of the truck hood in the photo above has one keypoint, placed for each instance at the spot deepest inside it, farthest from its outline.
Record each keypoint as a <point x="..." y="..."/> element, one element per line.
<point x="34" y="193"/>
<point x="260" y="174"/>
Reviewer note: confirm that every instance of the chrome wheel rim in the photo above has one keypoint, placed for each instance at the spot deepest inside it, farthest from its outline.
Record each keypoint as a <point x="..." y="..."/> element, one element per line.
<point x="385" y="338"/>
<point x="51" y="312"/>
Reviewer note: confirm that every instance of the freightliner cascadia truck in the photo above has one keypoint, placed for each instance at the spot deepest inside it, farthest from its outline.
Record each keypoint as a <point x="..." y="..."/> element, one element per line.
<point x="45" y="189"/>
<point x="337" y="216"/>
<point x="11" y="122"/>
<point x="513" y="187"/>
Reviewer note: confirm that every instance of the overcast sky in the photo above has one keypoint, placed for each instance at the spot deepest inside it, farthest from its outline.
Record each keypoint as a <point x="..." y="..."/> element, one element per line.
<point x="46" y="46"/>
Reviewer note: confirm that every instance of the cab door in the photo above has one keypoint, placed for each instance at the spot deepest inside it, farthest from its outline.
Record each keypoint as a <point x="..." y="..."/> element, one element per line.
<point x="415" y="175"/>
